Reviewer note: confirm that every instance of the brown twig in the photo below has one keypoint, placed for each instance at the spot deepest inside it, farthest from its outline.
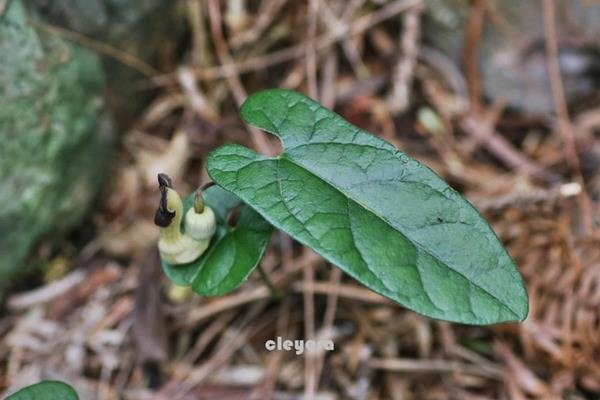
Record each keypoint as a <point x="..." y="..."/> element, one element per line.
<point x="565" y="126"/>
<point x="471" y="53"/>
<point x="323" y="42"/>
<point x="207" y="336"/>
<point x="247" y="296"/>
<point x="275" y="292"/>
<point x="351" y="50"/>
<point x="266" y="14"/>
<point x="102" y="48"/>
<point x="226" y="348"/>
<point x="201" y="55"/>
<point x="328" y="81"/>
<point x="267" y="387"/>
<point x="311" y="51"/>
<point x="194" y="95"/>
<point x="402" y="78"/>
<point x="259" y="139"/>
<point x="430" y="366"/>
<point x="500" y="147"/>
<point x="328" y="319"/>
<point x="48" y="292"/>
<point x="310" y="380"/>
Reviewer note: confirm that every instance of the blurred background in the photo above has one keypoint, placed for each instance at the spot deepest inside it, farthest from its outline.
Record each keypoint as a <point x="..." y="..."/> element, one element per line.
<point x="501" y="98"/>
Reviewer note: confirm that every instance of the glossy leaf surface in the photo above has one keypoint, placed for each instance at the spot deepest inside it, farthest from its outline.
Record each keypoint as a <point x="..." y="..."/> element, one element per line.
<point x="234" y="251"/>
<point x="381" y="216"/>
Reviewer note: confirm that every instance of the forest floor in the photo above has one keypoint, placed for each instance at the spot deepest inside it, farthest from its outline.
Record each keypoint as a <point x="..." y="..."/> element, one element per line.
<point x="106" y="320"/>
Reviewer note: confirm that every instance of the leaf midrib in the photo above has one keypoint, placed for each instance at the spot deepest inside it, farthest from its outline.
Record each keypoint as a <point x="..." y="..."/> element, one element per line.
<point x="286" y="157"/>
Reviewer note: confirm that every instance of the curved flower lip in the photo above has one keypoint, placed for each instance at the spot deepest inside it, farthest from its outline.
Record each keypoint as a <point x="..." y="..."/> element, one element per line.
<point x="164" y="181"/>
<point x="163" y="216"/>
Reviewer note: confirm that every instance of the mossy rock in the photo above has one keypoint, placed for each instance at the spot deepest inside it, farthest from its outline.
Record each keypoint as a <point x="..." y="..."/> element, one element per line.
<point x="54" y="139"/>
<point x="149" y="30"/>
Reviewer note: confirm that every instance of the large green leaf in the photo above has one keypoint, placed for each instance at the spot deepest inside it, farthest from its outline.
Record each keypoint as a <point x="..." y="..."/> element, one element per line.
<point x="382" y="217"/>
<point x="45" y="390"/>
<point x="234" y="251"/>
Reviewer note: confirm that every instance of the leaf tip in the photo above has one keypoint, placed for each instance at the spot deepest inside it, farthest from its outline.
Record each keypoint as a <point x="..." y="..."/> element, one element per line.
<point x="267" y="108"/>
<point x="519" y="309"/>
<point x="523" y="311"/>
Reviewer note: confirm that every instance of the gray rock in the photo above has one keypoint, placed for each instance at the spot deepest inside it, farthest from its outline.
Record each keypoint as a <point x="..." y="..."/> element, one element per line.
<point x="54" y="141"/>
<point x="109" y="19"/>
<point x="511" y="51"/>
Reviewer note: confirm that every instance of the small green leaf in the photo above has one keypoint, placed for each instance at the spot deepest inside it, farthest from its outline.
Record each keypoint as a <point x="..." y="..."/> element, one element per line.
<point x="45" y="390"/>
<point x="382" y="217"/>
<point x="234" y="251"/>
